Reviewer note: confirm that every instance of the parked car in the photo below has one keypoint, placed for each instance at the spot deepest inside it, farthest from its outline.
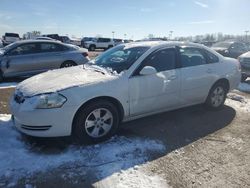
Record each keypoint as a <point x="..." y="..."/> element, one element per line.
<point x="99" y="43"/>
<point x="1" y="43"/>
<point x="65" y="39"/>
<point x="127" y="82"/>
<point x="245" y="65"/>
<point x="75" y="41"/>
<point x="86" y="39"/>
<point x="53" y="36"/>
<point x="9" y="38"/>
<point x="44" y="38"/>
<point x="230" y="48"/>
<point x="118" y="41"/>
<point x="29" y="57"/>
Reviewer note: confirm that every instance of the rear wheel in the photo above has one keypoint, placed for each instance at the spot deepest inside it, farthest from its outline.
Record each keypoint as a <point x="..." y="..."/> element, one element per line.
<point x="217" y="96"/>
<point x="96" y="122"/>
<point x="92" y="48"/>
<point x="110" y="46"/>
<point x="68" y="64"/>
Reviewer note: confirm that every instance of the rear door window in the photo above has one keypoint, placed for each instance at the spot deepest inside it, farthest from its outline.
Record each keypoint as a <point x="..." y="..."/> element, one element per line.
<point x="50" y="47"/>
<point x="191" y="56"/>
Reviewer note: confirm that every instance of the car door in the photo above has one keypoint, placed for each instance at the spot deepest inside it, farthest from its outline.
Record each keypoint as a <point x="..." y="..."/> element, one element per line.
<point x="50" y="56"/>
<point x="19" y="61"/>
<point x="149" y="93"/>
<point x="197" y="76"/>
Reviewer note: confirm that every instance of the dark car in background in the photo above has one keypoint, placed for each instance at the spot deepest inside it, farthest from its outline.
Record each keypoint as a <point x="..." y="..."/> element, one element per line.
<point x="230" y="48"/>
<point x="53" y="36"/>
<point x="9" y="38"/>
<point x="30" y="57"/>
<point x="244" y="60"/>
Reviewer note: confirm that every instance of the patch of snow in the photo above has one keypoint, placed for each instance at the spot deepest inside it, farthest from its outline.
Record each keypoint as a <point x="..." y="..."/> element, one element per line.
<point x="238" y="102"/>
<point x="245" y="87"/>
<point x="18" y="160"/>
<point x="132" y="178"/>
<point x="60" y="79"/>
<point x="8" y="85"/>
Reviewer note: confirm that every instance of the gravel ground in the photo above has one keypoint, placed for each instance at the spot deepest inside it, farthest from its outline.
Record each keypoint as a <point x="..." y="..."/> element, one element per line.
<point x="203" y="148"/>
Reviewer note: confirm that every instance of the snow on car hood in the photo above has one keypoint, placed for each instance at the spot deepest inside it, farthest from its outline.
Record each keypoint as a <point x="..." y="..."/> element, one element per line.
<point x="247" y="54"/>
<point x="219" y="48"/>
<point x="60" y="79"/>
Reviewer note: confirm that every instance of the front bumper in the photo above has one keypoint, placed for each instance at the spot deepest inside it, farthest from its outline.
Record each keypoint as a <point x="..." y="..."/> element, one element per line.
<point x="42" y="122"/>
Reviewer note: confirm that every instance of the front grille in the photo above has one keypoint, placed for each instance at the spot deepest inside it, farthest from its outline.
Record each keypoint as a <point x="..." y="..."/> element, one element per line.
<point x="36" y="128"/>
<point x="19" y="98"/>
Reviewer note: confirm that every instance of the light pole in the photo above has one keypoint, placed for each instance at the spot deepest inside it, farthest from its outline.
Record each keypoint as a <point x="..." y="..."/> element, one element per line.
<point x="113" y="34"/>
<point x="170" y="34"/>
<point x="246" y="33"/>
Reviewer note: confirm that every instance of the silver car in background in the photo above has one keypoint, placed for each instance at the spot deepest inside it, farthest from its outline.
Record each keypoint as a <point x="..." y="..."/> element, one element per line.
<point x="30" y="57"/>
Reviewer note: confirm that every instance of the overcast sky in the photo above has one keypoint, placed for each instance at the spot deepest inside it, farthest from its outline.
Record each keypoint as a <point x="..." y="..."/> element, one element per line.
<point x="135" y="18"/>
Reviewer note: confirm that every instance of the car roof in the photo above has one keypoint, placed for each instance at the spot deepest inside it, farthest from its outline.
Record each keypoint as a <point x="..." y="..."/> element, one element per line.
<point x="162" y="43"/>
<point x="37" y="41"/>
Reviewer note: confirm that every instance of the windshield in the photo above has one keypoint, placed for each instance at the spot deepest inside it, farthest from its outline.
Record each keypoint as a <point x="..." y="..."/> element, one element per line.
<point x="8" y="47"/>
<point x="222" y="44"/>
<point x="120" y="58"/>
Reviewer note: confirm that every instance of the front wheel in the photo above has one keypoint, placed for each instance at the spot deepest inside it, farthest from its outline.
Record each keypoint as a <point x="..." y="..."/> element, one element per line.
<point x="96" y="122"/>
<point x="216" y="96"/>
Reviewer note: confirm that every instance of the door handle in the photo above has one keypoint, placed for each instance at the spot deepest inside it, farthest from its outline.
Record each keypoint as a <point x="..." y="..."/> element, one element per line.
<point x="209" y="71"/>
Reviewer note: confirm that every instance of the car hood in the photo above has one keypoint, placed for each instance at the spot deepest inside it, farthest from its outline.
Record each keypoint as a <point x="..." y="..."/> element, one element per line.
<point x="219" y="48"/>
<point x="247" y="54"/>
<point x="61" y="79"/>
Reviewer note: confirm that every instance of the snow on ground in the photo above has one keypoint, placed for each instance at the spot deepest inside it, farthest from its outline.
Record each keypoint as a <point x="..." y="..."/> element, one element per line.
<point x="116" y="159"/>
<point x="245" y="87"/>
<point x="8" y="85"/>
<point x="238" y="102"/>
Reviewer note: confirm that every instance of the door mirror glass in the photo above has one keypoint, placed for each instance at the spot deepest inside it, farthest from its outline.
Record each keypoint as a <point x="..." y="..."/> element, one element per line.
<point x="148" y="70"/>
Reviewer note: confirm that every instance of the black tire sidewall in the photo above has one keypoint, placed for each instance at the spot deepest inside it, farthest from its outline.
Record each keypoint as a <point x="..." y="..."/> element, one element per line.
<point x="92" y="48"/>
<point x="1" y="76"/>
<point x="79" y="133"/>
<point x="70" y="62"/>
<point x="209" y="101"/>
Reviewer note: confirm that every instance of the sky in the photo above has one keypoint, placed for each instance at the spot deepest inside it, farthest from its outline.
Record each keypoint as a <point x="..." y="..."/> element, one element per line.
<point x="134" y="19"/>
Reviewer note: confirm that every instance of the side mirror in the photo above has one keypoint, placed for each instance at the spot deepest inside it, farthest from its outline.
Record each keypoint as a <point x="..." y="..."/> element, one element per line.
<point x="148" y="70"/>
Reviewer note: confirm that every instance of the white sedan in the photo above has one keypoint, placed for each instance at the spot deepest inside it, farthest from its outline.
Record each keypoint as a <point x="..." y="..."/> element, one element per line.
<point x="127" y="82"/>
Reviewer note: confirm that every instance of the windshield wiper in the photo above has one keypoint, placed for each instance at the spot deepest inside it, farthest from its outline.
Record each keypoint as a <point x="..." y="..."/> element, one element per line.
<point x="96" y="68"/>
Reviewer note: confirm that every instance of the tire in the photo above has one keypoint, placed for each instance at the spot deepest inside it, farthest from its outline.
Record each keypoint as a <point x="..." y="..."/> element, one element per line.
<point x="1" y="76"/>
<point x="68" y="64"/>
<point x="90" y="126"/>
<point x="217" y="96"/>
<point x="110" y="46"/>
<point x="243" y="78"/>
<point x="92" y="48"/>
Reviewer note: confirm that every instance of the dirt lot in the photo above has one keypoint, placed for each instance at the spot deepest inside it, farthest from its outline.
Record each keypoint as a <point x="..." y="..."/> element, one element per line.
<point x="203" y="149"/>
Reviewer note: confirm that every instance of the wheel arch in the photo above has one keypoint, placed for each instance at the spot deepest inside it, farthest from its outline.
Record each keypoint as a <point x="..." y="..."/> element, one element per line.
<point x="113" y="100"/>
<point x="224" y="81"/>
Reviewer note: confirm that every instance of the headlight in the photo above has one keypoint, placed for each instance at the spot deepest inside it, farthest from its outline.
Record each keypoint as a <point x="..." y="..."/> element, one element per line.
<point x="53" y="100"/>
